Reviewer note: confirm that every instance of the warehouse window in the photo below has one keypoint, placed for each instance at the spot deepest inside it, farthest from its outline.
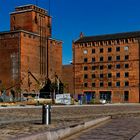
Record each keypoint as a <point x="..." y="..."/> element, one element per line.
<point x="101" y="84"/>
<point x="101" y="59"/>
<point x="93" y="84"/>
<point x="101" y="43"/>
<point x="85" y="84"/>
<point x="126" y="48"/>
<point x="93" y="76"/>
<point x="93" y="59"/>
<point x="85" y="68"/>
<point x="126" y="83"/>
<point x="126" y="57"/>
<point x="109" y="84"/>
<point x="118" y="66"/>
<point x="101" y="50"/>
<point x="117" y="49"/>
<point x="109" y="75"/>
<point x="109" y="66"/>
<point x="85" y="51"/>
<point x="118" y="75"/>
<point x="117" y="57"/>
<point x="101" y="67"/>
<point x="126" y="66"/>
<point x="109" y="42"/>
<point x="109" y="49"/>
<point x="85" y="60"/>
<point x="93" y="67"/>
<point x="93" y="50"/>
<point x="109" y="58"/>
<point x="126" y="74"/>
<point x="126" y="40"/>
<point x="117" y="83"/>
<point x="85" y="76"/>
<point x="101" y="75"/>
<point x="93" y="44"/>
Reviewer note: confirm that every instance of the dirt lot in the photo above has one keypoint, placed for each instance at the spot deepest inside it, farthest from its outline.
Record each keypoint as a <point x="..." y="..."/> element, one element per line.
<point x="17" y="122"/>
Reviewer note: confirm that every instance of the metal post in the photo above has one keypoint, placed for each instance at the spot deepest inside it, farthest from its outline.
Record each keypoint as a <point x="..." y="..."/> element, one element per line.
<point x="46" y="114"/>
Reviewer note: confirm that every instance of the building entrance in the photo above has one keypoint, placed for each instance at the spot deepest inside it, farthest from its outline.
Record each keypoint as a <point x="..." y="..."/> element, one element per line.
<point x="105" y="95"/>
<point x="89" y="95"/>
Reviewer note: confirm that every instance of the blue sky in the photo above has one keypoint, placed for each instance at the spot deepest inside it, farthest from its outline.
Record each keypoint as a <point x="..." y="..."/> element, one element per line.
<point x="70" y="17"/>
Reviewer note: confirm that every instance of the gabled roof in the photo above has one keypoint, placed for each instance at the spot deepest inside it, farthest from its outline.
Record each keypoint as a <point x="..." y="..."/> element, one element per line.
<point x="108" y="37"/>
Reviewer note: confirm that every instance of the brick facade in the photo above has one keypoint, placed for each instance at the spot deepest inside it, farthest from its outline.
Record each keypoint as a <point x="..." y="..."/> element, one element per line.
<point x="29" y="47"/>
<point x="67" y="78"/>
<point x="107" y="67"/>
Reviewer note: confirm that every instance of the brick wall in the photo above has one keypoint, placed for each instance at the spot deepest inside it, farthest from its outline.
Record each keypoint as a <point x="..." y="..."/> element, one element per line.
<point x="89" y="74"/>
<point x="67" y="78"/>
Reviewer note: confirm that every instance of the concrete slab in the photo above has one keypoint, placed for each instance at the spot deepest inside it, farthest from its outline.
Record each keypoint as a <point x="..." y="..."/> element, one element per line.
<point x="64" y="132"/>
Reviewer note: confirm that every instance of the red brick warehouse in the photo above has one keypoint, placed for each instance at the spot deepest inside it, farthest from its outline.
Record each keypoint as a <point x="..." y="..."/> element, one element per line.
<point x="108" y="67"/>
<point x="29" y="47"/>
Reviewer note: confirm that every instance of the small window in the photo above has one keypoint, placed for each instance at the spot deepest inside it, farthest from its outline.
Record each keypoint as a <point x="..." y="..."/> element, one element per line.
<point x="126" y="95"/>
<point x="109" y="42"/>
<point x="85" y="44"/>
<point x="126" y="40"/>
<point x="118" y="84"/>
<point x="109" y="49"/>
<point x="126" y="66"/>
<point x="93" y="44"/>
<point x="118" y="66"/>
<point x="85" y="60"/>
<point x="101" y="67"/>
<point x="126" y="48"/>
<point x="101" y="50"/>
<point x="93" y="67"/>
<point x="109" y="84"/>
<point x="117" y="49"/>
<point x="85" y="84"/>
<point x="101" y="43"/>
<point x="93" y="85"/>
<point x="126" y="83"/>
<point x="126" y="74"/>
<point x="85" y="76"/>
<point x="118" y="75"/>
<point x="109" y="75"/>
<point x="93" y="50"/>
<point x="117" y="57"/>
<point x="29" y="36"/>
<point x="101" y="75"/>
<point x="93" y="59"/>
<point x="85" y="51"/>
<point x="93" y="76"/>
<point x="101" y="59"/>
<point x="101" y="84"/>
<point x="109" y="58"/>
<point x="85" y="68"/>
<point x="126" y="57"/>
<point x="109" y="66"/>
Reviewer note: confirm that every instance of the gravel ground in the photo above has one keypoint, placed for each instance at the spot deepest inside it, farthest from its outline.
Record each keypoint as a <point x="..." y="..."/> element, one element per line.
<point x="13" y="122"/>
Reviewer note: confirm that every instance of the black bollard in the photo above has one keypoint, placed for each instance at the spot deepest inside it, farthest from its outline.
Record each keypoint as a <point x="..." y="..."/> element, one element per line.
<point x="46" y="114"/>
